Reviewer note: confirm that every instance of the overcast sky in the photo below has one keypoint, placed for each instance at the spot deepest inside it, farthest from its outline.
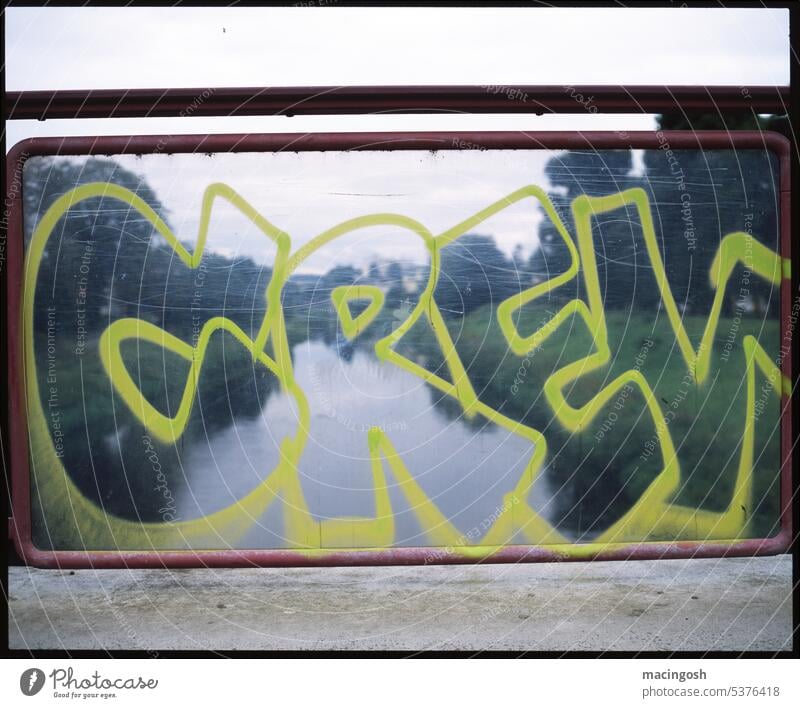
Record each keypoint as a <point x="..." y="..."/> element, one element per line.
<point x="304" y="194"/>
<point x="153" y="47"/>
<point x="59" y="48"/>
<point x="67" y="48"/>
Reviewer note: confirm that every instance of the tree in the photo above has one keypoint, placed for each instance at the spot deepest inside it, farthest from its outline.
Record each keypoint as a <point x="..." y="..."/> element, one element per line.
<point x="474" y="272"/>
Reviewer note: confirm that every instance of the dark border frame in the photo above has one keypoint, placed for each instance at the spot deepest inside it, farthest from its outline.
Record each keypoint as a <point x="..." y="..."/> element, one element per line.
<point x="20" y="521"/>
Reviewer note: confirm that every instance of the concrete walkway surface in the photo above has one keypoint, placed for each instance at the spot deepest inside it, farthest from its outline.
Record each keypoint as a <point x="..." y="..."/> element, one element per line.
<point x="733" y="604"/>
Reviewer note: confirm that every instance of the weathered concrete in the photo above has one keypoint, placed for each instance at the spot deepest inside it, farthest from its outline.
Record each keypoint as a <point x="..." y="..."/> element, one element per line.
<point x="723" y="604"/>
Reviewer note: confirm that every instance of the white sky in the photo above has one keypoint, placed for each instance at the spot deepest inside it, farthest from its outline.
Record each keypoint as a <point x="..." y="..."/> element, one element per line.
<point x="63" y="48"/>
<point x="306" y="193"/>
<point x="60" y="48"/>
<point x="154" y="47"/>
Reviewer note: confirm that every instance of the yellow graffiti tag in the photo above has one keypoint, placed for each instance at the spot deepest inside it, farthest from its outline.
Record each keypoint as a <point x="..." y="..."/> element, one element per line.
<point x="84" y="524"/>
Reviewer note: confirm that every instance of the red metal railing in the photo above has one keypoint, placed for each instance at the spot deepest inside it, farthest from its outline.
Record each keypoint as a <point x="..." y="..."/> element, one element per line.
<point x="184" y="102"/>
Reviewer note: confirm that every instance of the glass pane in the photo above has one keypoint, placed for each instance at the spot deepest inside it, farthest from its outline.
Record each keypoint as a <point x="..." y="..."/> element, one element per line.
<point x="461" y="349"/>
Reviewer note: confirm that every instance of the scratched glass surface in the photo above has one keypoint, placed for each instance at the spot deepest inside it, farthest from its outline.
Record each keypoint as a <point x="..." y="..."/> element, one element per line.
<point x="454" y="349"/>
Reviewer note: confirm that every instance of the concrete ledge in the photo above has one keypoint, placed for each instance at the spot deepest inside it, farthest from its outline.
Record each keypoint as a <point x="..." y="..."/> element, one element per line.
<point x="733" y="604"/>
